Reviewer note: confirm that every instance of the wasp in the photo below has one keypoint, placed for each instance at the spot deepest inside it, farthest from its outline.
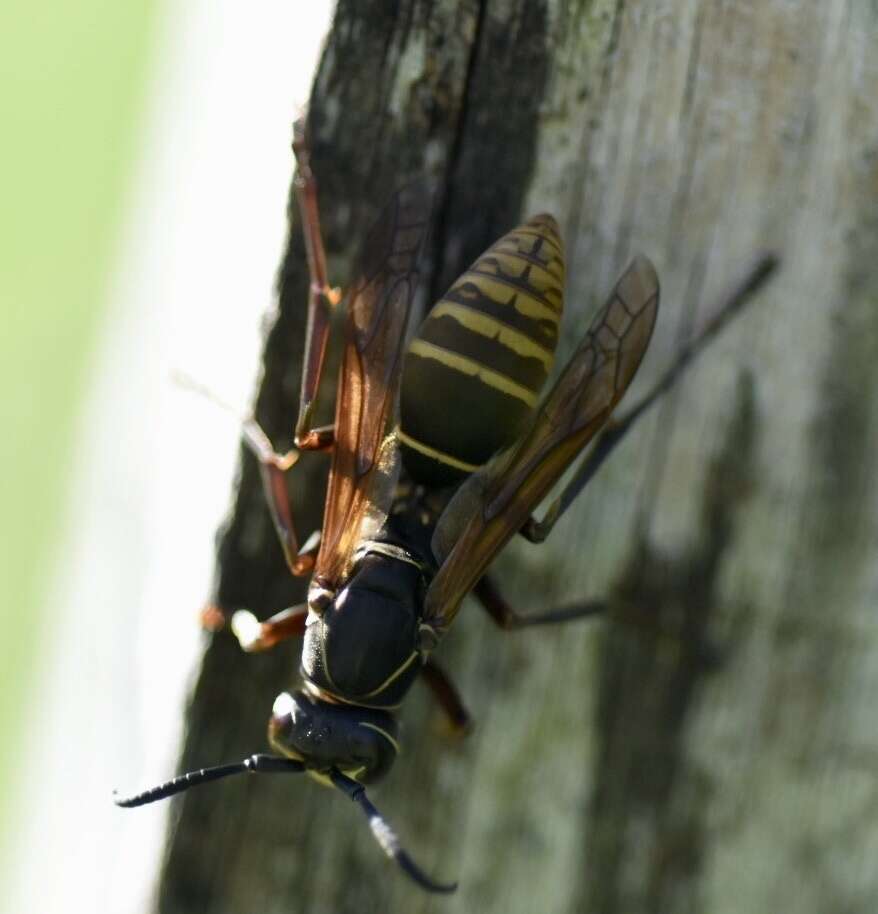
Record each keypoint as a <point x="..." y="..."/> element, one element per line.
<point x="440" y="452"/>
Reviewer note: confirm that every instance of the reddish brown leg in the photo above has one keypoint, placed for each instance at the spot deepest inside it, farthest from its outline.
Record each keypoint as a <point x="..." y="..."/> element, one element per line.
<point x="615" y="430"/>
<point x="212" y="618"/>
<point x="448" y="697"/>
<point x="254" y="635"/>
<point x="321" y="296"/>
<point x="321" y="299"/>
<point x="273" y="467"/>
<point x="506" y="618"/>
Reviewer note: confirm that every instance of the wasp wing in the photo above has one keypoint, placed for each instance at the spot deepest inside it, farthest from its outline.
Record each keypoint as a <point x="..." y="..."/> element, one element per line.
<point x="362" y="471"/>
<point x="496" y="501"/>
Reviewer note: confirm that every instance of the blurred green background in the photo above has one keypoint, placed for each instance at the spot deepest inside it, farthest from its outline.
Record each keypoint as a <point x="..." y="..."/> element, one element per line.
<point x="72" y="88"/>
<point x="121" y="264"/>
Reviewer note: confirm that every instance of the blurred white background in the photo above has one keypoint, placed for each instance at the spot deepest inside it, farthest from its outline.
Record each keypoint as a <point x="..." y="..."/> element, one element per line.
<point x="194" y="276"/>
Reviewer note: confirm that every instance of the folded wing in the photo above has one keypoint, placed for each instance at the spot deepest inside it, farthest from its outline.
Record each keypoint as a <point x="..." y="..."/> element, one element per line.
<point x="496" y="501"/>
<point x="363" y="463"/>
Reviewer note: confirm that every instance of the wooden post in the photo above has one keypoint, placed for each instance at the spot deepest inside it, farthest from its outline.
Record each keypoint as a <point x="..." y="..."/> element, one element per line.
<point x="712" y="746"/>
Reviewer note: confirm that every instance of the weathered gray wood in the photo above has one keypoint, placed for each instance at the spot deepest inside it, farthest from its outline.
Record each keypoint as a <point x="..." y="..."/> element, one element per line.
<point x="712" y="747"/>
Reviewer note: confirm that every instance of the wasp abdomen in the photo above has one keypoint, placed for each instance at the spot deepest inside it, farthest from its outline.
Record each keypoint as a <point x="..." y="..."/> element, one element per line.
<point x="475" y="369"/>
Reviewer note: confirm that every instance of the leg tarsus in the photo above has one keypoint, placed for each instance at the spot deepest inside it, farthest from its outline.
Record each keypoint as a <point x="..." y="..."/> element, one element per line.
<point x="254" y="635"/>
<point x="506" y="618"/>
<point x="616" y="429"/>
<point x="321" y="438"/>
<point x="273" y="468"/>
<point x="212" y="618"/>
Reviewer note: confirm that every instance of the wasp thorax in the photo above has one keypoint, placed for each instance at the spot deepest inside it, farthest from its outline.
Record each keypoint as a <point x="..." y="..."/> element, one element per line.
<point x="363" y="647"/>
<point x="359" y="742"/>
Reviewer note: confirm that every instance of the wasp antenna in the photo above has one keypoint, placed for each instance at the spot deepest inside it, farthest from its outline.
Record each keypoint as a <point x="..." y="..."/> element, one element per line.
<point x="255" y="764"/>
<point x="186" y="382"/>
<point x="386" y="836"/>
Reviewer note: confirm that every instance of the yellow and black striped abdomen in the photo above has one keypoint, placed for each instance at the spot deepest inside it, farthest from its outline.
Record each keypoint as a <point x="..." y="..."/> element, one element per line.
<point x="476" y="368"/>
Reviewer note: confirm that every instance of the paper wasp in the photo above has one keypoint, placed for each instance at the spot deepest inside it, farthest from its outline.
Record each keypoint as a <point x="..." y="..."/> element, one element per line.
<point x="401" y="548"/>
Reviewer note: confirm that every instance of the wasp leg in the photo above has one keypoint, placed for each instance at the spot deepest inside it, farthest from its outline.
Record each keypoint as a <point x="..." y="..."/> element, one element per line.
<point x="616" y="429"/>
<point x="212" y="617"/>
<point x="448" y="697"/>
<point x="506" y="618"/>
<point x="273" y="467"/>
<point x="321" y="296"/>
<point x="254" y="635"/>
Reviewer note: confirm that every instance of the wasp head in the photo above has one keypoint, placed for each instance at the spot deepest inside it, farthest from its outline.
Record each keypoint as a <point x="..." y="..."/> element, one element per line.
<point x="359" y="742"/>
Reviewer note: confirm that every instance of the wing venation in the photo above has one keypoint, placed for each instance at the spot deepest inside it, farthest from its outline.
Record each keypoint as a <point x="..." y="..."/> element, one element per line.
<point x="363" y="464"/>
